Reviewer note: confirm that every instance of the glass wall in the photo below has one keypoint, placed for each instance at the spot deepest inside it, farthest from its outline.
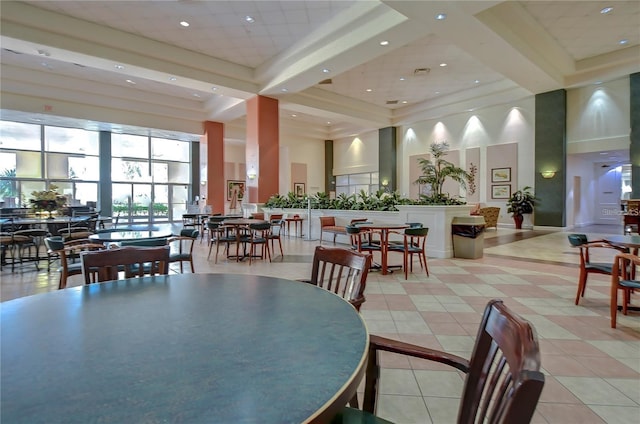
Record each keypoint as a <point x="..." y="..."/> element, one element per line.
<point x="145" y="171"/>
<point x="150" y="177"/>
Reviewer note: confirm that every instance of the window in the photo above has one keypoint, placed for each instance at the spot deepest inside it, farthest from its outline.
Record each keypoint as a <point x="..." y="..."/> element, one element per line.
<point x="354" y="183"/>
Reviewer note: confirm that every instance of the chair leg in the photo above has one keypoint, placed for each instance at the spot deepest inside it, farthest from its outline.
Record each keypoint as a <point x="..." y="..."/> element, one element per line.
<point x="582" y="283"/>
<point x="614" y="303"/>
<point x="193" y="270"/>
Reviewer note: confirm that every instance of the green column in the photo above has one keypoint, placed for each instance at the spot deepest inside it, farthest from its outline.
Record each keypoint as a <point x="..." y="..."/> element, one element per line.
<point x="634" y="149"/>
<point x="387" y="157"/>
<point x="105" y="193"/>
<point x="195" y="170"/>
<point x="551" y="155"/>
<point x="329" y="179"/>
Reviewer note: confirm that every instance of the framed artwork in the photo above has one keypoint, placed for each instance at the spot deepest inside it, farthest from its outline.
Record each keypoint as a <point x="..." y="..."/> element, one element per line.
<point x="502" y="191"/>
<point x="500" y="175"/>
<point x="298" y="189"/>
<point x="236" y="186"/>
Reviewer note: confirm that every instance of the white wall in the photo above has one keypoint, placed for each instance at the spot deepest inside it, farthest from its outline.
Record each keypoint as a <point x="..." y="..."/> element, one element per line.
<point x="598" y="118"/>
<point x="355" y="155"/>
<point x="503" y="124"/>
<point x="296" y="149"/>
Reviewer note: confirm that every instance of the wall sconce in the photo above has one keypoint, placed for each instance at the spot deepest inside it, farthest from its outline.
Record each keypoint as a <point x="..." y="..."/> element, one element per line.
<point x="252" y="174"/>
<point x="203" y="183"/>
<point x="385" y="183"/>
<point x="548" y="174"/>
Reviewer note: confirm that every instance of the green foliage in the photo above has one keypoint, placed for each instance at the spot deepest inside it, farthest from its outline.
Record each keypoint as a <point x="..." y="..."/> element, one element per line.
<point x="8" y="187"/>
<point x="379" y="201"/>
<point x="521" y="202"/>
<point x="436" y="172"/>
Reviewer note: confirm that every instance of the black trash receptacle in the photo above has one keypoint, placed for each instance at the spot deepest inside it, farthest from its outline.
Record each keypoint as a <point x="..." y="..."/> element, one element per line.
<point x="468" y="236"/>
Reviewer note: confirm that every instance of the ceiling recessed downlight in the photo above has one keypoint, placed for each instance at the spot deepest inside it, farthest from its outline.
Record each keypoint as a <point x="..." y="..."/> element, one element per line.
<point x="442" y="65"/>
<point x="184" y="24"/>
<point x="118" y="66"/>
<point x="284" y="90"/>
<point x="606" y="10"/>
<point x="623" y="41"/>
<point x="384" y="43"/>
<point x="368" y="90"/>
<point x="476" y="81"/>
<point x="402" y="78"/>
<point x="326" y="71"/>
<point x="249" y="19"/>
<point x="131" y="82"/>
<point x="441" y="16"/>
<point x="172" y="78"/>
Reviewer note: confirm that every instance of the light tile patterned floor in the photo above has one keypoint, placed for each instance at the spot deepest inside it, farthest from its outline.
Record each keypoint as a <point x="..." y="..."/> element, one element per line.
<point x="592" y="371"/>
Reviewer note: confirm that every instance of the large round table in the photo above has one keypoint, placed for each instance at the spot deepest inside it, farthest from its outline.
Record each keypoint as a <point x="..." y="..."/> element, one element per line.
<point x="189" y="348"/>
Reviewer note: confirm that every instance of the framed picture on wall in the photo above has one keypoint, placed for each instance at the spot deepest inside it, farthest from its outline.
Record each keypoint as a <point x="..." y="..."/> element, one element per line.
<point x="237" y="187"/>
<point x="298" y="189"/>
<point x="501" y="175"/>
<point x="501" y="191"/>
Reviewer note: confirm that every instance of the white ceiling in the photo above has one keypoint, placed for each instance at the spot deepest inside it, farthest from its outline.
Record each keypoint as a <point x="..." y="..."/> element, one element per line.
<point x="60" y="59"/>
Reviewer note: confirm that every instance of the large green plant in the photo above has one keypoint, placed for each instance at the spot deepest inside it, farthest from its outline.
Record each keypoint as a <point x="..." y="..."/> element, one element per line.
<point x="521" y="202"/>
<point x="379" y="201"/>
<point x="435" y="172"/>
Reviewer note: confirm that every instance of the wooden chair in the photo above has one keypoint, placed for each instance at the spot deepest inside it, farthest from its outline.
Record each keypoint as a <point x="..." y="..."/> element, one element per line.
<point x="220" y="234"/>
<point x="623" y="278"/>
<point x="104" y="265"/>
<point x="503" y="379"/>
<point x="587" y="267"/>
<point x="258" y="236"/>
<point x="181" y="248"/>
<point x="361" y="240"/>
<point x="414" y="243"/>
<point x="277" y="225"/>
<point x="28" y="243"/>
<point x="341" y="271"/>
<point x="69" y="255"/>
<point x="190" y="220"/>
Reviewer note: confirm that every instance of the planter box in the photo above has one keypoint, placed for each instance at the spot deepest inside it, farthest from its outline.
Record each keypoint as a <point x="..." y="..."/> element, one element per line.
<point x="436" y="218"/>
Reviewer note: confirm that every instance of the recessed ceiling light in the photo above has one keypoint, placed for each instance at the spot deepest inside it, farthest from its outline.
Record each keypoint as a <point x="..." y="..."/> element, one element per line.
<point x="118" y="66"/>
<point x="437" y="92"/>
<point x="606" y="10"/>
<point x="442" y="65"/>
<point x="43" y="53"/>
<point x="284" y="90"/>
<point x="326" y="71"/>
<point x="328" y="122"/>
<point x="384" y="43"/>
<point x="441" y="16"/>
<point x="249" y="19"/>
<point x="184" y="24"/>
<point x="402" y="78"/>
<point x="368" y="90"/>
<point x="293" y="115"/>
<point x="214" y="88"/>
<point x="477" y="81"/>
<point x="623" y="41"/>
<point x="196" y="95"/>
<point x="172" y="78"/>
<point x="604" y="153"/>
<point x="131" y="82"/>
<point x="404" y="102"/>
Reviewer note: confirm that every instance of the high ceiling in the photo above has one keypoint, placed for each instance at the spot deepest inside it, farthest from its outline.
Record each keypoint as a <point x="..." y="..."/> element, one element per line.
<point x="133" y="62"/>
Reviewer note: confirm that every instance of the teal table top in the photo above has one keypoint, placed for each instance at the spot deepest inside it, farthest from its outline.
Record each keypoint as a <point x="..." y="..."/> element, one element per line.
<point x="189" y="348"/>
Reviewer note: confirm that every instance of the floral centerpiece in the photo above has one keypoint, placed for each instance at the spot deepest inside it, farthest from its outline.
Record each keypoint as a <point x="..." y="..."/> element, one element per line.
<point x="48" y="200"/>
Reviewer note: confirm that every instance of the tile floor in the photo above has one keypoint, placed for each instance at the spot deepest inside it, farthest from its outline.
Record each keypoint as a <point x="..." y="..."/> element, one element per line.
<point x="592" y="371"/>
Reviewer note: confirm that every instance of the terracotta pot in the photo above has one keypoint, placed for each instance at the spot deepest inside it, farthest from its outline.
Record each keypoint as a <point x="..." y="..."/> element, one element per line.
<point x="518" y="220"/>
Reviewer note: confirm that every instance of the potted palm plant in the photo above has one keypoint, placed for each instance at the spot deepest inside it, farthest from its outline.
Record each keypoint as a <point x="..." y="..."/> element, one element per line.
<point x="435" y="171"/>
<point x="521" y="202"/>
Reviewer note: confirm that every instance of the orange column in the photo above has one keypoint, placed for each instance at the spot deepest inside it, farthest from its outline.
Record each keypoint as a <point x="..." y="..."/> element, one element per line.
<point x="263" y="148"/>
<point x="213" y="139"/>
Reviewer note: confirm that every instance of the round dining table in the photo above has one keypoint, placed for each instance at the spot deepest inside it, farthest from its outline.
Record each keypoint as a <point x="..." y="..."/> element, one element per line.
<point x="129" y="235"/>
<point x="383" y="229"/>
<point x="188" y="348"/>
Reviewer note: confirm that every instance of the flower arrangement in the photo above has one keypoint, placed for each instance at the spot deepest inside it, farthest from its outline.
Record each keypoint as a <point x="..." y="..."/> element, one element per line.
<point x="47" y="200"/>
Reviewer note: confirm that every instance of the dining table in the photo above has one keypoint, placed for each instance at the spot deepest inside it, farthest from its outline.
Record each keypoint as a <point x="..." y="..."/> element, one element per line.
<point x="631" y="241"/>
<point x="239" y="226"/>
<point x="188" y="348"/>
<point x="130" y="235"/>
<point x="383" y="229"/>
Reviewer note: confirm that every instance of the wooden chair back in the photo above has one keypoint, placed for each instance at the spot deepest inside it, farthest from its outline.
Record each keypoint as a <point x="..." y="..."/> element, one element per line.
<point x="104" y="265"/>
<point x="341" y="271"/>
<point x="503" y="379"/>
<point x="623" y="277"/>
